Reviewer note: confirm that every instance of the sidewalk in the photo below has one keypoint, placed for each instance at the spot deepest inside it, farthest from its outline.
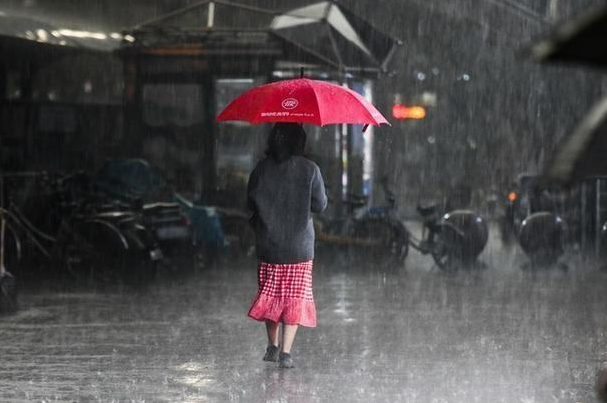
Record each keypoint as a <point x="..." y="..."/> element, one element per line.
<point x="414" y="335"/>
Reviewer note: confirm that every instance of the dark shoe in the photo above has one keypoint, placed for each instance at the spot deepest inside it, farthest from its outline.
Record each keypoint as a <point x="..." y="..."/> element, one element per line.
<point x="271" y="354"/>
<point x="285" y="361"/>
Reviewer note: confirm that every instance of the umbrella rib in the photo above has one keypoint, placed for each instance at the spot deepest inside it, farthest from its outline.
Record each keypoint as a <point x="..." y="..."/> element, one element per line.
<point x="372" y="118"/>
<point x="260" y="106"/>
<point x="318" y="109"/>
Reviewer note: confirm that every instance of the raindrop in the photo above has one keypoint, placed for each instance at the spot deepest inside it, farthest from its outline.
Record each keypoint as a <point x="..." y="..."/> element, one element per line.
<point x="435" y="71"/>
<point x="466" y="77"/>
<point x="421" y="76"/>
<point x="431" y="139"/>
<point x="88" y="86"/>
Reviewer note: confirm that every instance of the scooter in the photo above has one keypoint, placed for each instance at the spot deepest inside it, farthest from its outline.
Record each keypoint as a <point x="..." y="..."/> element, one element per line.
<point x="542" y="233"/>
<point x="454" y="240"/>
<point x="541" y="237"/>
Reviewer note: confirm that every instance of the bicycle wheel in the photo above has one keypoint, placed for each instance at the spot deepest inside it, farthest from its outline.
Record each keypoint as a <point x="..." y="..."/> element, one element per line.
<point x="13" y="253"/>
<point x="448" y="248"/>
<point x="378" y="240"/>
<point x="138" y="267"/>
<point x="400" y="242"/>
<point x="98" y="253"/>
<point x="439" y="253"/>
<point x="12" y="264"/>
<point x="8" y="293"/>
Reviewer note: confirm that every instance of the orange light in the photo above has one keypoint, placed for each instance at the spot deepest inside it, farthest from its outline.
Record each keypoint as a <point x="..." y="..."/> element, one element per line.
<point x="512" y="196"/>
<point x="405" y="112"/>
<point x="417" y="112"/>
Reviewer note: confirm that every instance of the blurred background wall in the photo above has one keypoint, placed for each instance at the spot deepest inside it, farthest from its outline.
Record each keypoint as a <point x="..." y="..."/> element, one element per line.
<point x="491" y="113"/>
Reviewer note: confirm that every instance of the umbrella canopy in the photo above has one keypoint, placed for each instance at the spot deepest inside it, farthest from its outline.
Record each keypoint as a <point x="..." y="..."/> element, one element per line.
<point x="584" y="152"/>
<point x="303" y="101"/>
<point x="582" y="39"/>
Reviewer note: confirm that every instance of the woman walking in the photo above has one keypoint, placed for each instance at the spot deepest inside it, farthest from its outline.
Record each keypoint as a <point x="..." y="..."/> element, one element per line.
<point x="283" y="190"/>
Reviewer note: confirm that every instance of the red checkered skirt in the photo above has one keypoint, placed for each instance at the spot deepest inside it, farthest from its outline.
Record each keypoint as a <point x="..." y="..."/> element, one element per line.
<point x="285" y="294"/>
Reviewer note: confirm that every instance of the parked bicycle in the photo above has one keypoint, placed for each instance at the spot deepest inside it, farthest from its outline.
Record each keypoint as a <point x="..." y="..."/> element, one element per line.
<point x="365" y="234"/>
<point x="62" y="232"/>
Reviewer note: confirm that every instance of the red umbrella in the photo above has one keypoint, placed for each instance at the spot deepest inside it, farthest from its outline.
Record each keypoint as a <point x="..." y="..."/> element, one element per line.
<point x="303" y="101"/>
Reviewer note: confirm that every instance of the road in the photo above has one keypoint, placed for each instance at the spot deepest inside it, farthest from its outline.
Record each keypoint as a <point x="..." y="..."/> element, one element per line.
<point x="495" y="334"/>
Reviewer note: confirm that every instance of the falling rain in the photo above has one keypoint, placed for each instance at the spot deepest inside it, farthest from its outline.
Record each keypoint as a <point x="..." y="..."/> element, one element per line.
<point x="303" y="201"/>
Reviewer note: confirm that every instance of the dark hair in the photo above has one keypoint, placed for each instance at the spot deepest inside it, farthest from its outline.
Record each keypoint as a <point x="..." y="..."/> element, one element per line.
<point x="286" y="140"/>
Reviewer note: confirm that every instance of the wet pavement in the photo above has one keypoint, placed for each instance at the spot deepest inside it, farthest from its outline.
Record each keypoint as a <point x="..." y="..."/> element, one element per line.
<point x="498" y="334"/>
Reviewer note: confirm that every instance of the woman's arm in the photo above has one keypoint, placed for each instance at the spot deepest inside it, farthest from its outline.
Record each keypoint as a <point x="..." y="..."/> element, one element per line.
<point x="319" y="195"/>
<point x="251" y="186"/>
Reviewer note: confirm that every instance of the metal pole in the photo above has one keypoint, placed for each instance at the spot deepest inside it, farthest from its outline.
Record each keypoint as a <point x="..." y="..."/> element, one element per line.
<point x="343" y="167"/>
<point x="2" y="231"/>
<point x="1" y="190"/>
<point x="343" y="157"/>
<point x="597" y="221"/>
<point x="583" y="217"/>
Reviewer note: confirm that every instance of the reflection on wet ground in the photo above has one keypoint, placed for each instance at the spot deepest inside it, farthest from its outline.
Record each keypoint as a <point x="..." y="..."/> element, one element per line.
<point x="412" y="335"/>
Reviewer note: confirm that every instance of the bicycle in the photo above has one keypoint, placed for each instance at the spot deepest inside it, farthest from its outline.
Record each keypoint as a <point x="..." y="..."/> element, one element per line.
<point x="72" y="237"/>
<point x="365" y="235"/>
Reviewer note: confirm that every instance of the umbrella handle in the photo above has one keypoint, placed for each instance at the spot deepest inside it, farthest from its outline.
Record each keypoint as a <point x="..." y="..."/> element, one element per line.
<point x="365" y="127"/>
<point x="301" y="72"/>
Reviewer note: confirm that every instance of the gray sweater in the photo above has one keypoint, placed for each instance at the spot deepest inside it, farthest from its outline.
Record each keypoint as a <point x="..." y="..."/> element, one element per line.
<point x="282" y="197"/>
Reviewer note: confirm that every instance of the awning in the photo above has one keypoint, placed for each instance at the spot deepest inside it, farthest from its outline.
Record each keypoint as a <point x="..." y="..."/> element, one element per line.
<point x="211" y="27"/>
<point x="583" y="39"/>
<point x="330" y="33"/>
<point x="322" y="34"/>
<point x="584" y="152"/>
<point x="36" y="31"/>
